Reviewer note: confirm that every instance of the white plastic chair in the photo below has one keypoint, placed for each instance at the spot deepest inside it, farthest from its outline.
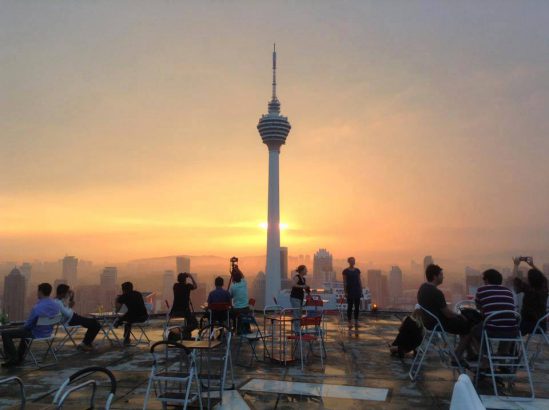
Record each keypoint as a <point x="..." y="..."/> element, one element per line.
<point x="48" y="340"/>
<point x="464" y="395"/>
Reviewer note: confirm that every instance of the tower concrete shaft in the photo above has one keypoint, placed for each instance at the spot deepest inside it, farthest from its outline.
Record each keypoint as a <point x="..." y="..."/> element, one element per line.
<point x="273" y="128"/>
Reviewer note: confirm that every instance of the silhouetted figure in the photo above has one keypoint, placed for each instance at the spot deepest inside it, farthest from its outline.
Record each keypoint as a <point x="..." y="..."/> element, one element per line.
<point x="534" y="301"/>
<point x="352" y="285"/>
<point x="219" y="296"/>
<point x="297" y="295"/>
<point x="136" y="310"/>
<point x="182" y="295"/>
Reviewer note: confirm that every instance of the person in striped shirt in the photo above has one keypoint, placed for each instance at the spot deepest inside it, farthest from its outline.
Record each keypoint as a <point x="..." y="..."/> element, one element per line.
<point x="491" y="298"/>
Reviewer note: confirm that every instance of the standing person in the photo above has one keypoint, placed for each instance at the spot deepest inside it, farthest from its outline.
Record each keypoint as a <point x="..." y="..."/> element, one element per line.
<point x="239" y="294"/>
<point x="136" y="313"/>
<point x="44" y="307"/>
<point x="65" y="300"/>
<point x="182" y="296"/>
<point x="298" y="294"/>
<point x="352" y="285"/>
<point x="534" y="301"/>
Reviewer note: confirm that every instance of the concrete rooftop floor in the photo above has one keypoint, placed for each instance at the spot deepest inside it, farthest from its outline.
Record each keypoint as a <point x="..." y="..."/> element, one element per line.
<point x="357" y="358"/>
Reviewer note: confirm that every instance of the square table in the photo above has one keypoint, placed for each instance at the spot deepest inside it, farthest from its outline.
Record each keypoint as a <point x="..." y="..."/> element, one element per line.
<point x="107" y="319"/>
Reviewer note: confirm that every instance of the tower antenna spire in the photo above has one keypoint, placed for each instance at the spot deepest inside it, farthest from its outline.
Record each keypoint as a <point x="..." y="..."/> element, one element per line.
<point x="274" y="72"/>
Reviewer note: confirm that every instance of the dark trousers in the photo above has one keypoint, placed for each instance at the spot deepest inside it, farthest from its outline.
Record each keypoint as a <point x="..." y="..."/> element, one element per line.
<point x="350" y="303"/>
<point x="93" y="327"/>
<point x="234" y="314"/>
<point x="128" y="320"/>
<point x="9" y="347"/>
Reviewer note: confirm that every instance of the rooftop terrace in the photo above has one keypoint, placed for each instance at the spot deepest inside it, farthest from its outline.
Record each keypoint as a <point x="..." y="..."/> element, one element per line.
<point x="359" y="358"/>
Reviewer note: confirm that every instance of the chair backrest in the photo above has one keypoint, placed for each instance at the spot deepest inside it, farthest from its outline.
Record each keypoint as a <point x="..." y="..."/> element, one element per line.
<point x="17" y="380"/>
<point x="314" y="300"/>
<point x="219" y="307"/>
<point x="438" y="326"/>
<point x="311" y="320"/>
<point x="49" y="320"/>
<point x="251" y="302"/>
<point x="502" y="315"/>
<point x="64" y="390"/>
<point x="539" y="324"/>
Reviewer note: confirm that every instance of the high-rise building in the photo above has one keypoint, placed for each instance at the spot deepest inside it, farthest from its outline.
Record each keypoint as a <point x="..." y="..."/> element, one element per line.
<point x="109" y="291"/>
<point x="258" y="290"/>
<point x="375" y="285"/>
<point x="395" y="284"/>
<point x="69" y="272"/>
<point x="183" y="264"/>
<point x="25" y="270"/>
<point x="473" y="280"/>
<point x="545" y="269"/>
<point x="323" y="268"/>
<point x="283" y="262"/>
<point x="167" y="287"/>
<point x="89" y="299"/>
<point x="274" y="129"/>
<point x="15" y="289"/>
<point x="428" y="260"/>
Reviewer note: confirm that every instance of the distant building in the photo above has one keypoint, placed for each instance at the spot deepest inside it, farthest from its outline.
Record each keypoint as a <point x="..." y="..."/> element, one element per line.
<point x="428" y="260"/>
<point x="69" y="270"/>
<point x="323" y="268"/>
<point x="376" y="286"/>
<point x="109" y="290"/>
<point x="395" y="284"/>
<point x="25" y="270"/>
<point x="168" y="281"/>
<point x="183" y="264"/>
<point x="283" y="263"/>
<point x="473" y="280"/>
<point x="258" y="290"/>
<point x="545" y="269"/>
<point x="88" y="300"/>
<point x="15" y="289"/>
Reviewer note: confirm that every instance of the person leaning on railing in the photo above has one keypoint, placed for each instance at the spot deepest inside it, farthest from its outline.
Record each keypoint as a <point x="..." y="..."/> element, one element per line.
<point x="534" y="301"/>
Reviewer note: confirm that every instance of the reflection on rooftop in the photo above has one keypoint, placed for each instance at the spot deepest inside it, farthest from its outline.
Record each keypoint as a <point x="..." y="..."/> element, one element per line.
<point x="359" y="373"/>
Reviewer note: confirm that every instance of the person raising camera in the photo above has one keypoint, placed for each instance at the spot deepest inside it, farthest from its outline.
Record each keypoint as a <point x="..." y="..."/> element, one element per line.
<point x="182" y="296"/>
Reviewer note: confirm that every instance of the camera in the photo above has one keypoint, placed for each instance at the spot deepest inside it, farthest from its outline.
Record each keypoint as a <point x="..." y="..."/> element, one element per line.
<point x="524" y="258"/>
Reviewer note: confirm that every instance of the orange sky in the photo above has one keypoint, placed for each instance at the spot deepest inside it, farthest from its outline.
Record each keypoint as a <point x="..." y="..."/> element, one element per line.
<point x="129" y="131"/>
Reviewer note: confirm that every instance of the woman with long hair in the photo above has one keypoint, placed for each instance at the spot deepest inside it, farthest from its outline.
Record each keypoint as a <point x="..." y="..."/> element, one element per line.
<point x="297" y="295"/>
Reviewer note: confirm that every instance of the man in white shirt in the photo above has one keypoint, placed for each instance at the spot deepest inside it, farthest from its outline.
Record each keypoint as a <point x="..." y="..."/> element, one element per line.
<point x="65" y="299"/>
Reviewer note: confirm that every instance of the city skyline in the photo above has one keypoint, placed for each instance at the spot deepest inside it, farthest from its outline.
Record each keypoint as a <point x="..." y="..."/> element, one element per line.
<point x="417" y="137"/>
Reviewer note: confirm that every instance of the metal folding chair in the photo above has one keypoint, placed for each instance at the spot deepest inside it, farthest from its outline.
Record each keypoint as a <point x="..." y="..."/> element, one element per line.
<point x="14" y="379"/>
<point x="514" y="360"/>
<point x="252" y="338"/>
<point x="172" y="375"/>
<point x="70" y="332"/>
<point x="310" y="330"/>
<point x="68" y="387"/>
<point x="221" y="355"/>
<point x="143" y="337"/>
<point x="543" y="339"/>
<point x="438" y="338"/>
<point x="44" y="321"/>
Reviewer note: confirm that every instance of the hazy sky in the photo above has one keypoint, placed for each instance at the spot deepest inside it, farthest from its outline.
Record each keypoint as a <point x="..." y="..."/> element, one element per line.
<point x="128" y="128"/>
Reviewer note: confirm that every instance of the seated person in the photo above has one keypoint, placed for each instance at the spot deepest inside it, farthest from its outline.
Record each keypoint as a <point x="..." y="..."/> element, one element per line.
<point x="534" y="302"/>
<point x="45" y="307"/>
<point x="221" y="296"/>
<point x="432" y="299"/>
<point x="136" y="313"/>
<point x="491" y="298"/>
<point x="239" y="294"/>
<point x="65" y="300"/>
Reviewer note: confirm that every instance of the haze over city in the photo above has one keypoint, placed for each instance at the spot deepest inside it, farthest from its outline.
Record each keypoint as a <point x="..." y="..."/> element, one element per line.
<point x="417" y="129"/>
